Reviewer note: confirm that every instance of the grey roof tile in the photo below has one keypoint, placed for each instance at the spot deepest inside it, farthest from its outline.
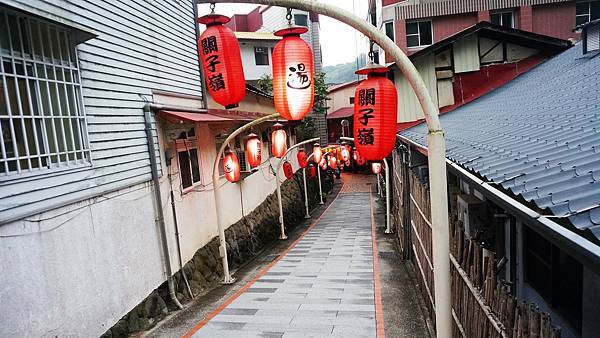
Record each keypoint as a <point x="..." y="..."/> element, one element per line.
<point x="538" y="137"/>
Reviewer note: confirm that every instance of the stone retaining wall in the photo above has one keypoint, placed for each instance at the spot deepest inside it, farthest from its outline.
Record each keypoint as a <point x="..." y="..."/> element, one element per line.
<point x="245" y="239"/>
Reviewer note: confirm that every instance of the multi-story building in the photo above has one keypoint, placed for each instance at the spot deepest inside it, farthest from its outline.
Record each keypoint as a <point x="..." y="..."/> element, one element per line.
<point x="416" y="24"/>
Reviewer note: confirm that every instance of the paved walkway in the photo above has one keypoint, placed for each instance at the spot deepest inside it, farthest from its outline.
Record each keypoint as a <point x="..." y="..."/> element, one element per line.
<point x="324" y="285"/>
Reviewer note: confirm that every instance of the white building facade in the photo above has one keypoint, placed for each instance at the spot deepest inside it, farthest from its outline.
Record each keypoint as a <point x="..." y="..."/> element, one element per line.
<point x="79" y="241"/>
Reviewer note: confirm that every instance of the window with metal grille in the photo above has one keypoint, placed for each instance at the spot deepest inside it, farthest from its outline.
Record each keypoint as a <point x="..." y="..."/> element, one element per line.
<point x="505" y="19"/>
<point x="419" y="34"/>
<point x="41" y="111"/>
<point x="587" y="11"/>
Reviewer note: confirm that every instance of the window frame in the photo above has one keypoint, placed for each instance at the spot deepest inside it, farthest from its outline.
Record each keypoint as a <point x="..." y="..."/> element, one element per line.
<point x="501" y="13"/>
<point x="385" y="25"/>
<point x="418" y="34"/>
<point x="185" y="145"/>
<point x="264" y="52"/>
<point x="301" y="15"/>
<point x="588" y="15"/>
<point x="35" y="114"/>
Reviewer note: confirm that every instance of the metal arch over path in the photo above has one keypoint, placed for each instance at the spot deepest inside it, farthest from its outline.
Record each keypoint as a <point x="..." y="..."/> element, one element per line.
<point x="436" y="146"/>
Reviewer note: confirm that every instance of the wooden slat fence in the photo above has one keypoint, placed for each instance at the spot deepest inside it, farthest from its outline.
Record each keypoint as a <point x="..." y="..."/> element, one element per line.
<point x="481" y="306"/>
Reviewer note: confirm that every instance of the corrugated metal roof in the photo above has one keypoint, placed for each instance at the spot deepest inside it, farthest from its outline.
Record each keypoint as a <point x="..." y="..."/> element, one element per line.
<point x="538" y="137"/>
<point x="341" y="113"/>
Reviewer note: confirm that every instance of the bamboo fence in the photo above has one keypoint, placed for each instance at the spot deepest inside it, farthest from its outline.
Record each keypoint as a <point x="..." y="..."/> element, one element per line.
<point x="481" y="306"/>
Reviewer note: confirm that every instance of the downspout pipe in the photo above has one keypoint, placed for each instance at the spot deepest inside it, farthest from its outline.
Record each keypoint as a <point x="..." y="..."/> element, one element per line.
<point x="160" y="218"/>
<point x="176" y="224"/>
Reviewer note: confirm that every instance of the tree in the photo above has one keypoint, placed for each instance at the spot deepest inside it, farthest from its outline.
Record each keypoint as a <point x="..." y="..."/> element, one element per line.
<point x="307" y="129"/>
<point x="265" y="83"/>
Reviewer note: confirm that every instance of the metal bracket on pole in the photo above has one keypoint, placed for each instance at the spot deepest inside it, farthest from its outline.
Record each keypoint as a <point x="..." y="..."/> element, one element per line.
<point x="227" y="279"/>
<point x="388" y="229"/>
<point x="436" y="146"/>
<point x="282" y="236"/>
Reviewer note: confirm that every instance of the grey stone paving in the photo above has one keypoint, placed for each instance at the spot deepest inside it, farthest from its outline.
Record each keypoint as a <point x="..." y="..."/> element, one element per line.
<point x="323" y="287"/>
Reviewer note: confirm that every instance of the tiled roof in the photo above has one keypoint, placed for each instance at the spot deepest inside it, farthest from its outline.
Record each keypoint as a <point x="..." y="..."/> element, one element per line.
<point x="537" y="137"/>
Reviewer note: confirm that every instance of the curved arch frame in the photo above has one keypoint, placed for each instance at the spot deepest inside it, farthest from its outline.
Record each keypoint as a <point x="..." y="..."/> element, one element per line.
<point x="436" y="146"/>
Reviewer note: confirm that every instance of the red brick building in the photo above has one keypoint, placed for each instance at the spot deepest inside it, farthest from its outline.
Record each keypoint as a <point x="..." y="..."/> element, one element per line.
<point x="415" y="24"/>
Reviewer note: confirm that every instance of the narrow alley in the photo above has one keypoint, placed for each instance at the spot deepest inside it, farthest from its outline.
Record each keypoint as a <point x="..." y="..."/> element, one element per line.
<point x="326" y="283"/>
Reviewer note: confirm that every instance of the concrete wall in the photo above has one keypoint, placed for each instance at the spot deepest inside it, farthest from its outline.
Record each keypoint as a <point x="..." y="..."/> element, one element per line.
<point x="252" y="71"/>
<point x="340" y="98"/>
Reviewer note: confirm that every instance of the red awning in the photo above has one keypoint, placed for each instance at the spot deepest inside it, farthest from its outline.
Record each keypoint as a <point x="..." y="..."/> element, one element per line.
<point x="177" y="116"/>
<point x="213" y="115"/>
<point x="341" y="113"/>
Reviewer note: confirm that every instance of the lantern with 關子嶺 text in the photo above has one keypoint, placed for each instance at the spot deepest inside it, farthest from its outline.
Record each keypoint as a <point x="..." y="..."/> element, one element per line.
<point x="376" y="167"/>
<point x="278" y="141"/>
<point x="317" y="153"/>
<point x="293" y="74"/>
<point x="253" y="150"/>
<point x="302" y="161"/>
<point x="231" y="166"/>
<point x="333" y="162"/>
<point x="288" y="170"/>
<point x="312" y="171"/>
<point x="375" y="109"/>
<point x="221" y="61"/>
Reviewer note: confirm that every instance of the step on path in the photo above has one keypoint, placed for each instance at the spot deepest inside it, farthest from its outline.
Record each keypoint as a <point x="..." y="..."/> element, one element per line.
<point x="324" y="286"/>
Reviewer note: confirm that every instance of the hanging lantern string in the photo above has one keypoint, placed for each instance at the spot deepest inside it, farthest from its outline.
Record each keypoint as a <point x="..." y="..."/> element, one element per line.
<point x="371" y="53"/>
<point x="212" y="7"/>
<point x="288" y="16"/>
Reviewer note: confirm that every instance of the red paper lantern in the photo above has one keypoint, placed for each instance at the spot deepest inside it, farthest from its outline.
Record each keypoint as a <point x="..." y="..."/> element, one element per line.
<point x="288" y="170"/>
<point x="333" y="162"/>
<point x="278" y="141"/>
<point x="221" y="61"/>
<point x="323" y="163"/>
<point x="231" y="167"/>
<point x="317" y="153"/>
<point x="293" y="74"/>
<point x="312" y="171"/>
<point x="253" y="150"/>
<point x="376" y="167"/>
<point x="302" y="161"/>
<point x="345" y="154"/>
<point x="375" y="109"/>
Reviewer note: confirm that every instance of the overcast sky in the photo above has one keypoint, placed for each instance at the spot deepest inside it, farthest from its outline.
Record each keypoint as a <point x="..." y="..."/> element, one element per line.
<point x="339" y="42"/>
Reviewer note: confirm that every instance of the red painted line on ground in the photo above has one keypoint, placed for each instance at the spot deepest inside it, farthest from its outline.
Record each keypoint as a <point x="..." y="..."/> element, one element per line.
<point x="259" y="275"/>
<point x="380" y="325"/>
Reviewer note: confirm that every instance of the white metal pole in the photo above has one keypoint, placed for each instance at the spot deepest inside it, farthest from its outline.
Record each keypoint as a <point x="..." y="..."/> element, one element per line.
<point x="319" y="178"/>
<point x="378" y="185"/>
<point x="436" y="145"/>
<point x="305" y="194"/>
<point x="227" y="279"/>
<point x="282" y="225"/>
<point x="388" y="229"/>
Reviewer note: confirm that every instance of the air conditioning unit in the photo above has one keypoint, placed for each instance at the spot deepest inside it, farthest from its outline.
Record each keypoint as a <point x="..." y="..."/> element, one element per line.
<point x="473" y="213"/>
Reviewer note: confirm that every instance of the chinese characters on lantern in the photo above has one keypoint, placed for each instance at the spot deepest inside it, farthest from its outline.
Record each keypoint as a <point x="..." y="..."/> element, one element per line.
<point x="211" y="60"/>
<point x="366" y="99"/>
